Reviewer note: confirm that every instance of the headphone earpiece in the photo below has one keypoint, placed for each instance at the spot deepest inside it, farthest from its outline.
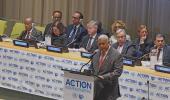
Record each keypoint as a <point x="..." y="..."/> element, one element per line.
<point x="33" y="24"/>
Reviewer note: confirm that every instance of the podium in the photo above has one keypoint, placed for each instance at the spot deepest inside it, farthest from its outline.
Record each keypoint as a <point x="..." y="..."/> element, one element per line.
<point x="78" y="86"/>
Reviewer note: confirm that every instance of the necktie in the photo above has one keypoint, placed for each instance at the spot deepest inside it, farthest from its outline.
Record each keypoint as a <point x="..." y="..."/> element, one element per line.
<point x="89" y="44"/>
<point x="158" y="54"/>
<point x="27" y="35"/>
<point x="72" y="34"/>
<point x="101" y="60"/>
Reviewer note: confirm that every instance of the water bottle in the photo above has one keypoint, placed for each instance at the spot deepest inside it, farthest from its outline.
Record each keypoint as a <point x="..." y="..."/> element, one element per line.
<point x="153" y="58"/>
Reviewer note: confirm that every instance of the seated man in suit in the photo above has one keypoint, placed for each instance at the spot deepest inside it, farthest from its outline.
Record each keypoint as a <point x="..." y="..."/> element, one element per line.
<point x="56" y="17"/>
<point x="123" y="45"/>
<point x="76" y="31"/>
<point x="107" y="64"/>
<point x="143" y="42"/>
<point x="30" y="33"/>
<point x="89" y="42"/>
<point x="58" y="37"/>
<point x="163" y="50"/>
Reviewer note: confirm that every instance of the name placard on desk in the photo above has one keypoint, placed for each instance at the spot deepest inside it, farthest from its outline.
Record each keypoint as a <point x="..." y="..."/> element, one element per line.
<point x="86" y="55"/>
<point x="162" y="68"/>
<point x="21" y="43"/>
<point x="54" y="49"/>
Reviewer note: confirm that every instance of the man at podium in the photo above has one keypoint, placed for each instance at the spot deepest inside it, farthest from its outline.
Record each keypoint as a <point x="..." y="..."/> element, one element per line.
<point x="107" y="65"/>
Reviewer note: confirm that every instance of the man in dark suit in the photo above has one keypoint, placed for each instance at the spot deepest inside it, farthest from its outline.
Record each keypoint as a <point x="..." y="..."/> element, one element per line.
<point x="76" y="31"/>
<point x="107" y="65"/>
<point x="163" y="50"/>
<point x="30" y="33"/>
<point x="122" y="45"/>
<point x="56" y="17"/>
<point x="89" y="42"/>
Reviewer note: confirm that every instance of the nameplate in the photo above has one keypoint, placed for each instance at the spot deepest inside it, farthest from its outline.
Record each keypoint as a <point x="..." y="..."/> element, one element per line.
<point x="162" y="68"/>
<point x="21" y="43"/>
<point x="128" y="62"/>
<point x="86" y="55"/>
<point x="54" y="49"/>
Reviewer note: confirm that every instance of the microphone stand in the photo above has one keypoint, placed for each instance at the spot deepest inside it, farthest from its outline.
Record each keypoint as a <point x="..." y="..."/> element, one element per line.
<point x="148" y="89"/>
<point x="148" y="96"/>
<point x="85" y="65"/>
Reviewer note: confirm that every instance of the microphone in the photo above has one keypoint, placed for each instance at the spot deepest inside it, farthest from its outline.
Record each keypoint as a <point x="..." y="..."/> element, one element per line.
<point x="133" y="45"/>
<point x="131" y="60"/>
<point x="142" y="57"/>
<point x="71" y="42"/>
<point x="88" y="61"/>
<point x="166" y="63"/>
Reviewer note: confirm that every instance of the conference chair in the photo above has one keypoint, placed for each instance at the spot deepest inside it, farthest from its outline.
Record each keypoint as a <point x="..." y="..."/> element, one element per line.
<point x="3" y="26"/>
<point x="17" y="29"/>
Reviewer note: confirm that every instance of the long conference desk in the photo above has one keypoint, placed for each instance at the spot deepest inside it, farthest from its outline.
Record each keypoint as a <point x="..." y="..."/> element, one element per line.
<point x="38" y="72"/>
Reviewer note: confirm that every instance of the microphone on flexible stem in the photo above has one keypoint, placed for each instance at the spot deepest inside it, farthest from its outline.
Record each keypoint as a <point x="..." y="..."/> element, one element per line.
<point x="71" y="42"/>
<point x="133" y="45"/>
<point x="87" y="63"/>
<point x="33" y="41"/>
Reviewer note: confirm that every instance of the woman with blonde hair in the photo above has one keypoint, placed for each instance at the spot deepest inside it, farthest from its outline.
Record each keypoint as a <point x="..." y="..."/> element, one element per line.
<point x="118" y="24"/>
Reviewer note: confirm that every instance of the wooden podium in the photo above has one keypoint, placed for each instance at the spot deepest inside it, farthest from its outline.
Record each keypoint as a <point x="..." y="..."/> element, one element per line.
<point x="78" y="86"/>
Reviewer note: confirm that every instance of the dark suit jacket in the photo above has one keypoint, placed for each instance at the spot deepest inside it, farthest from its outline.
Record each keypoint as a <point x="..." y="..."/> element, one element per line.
<point x="81" y="32"/>
<point x="85" y="40"/>
<point x="36" y="35"/>
<point x="128" y="50"/>
<point x="144" y="48"/>
<point x="47" y="30"/>
<point x="111" y="69"/>
<point x="166" y="55"/>
<point x="59" y="41"/>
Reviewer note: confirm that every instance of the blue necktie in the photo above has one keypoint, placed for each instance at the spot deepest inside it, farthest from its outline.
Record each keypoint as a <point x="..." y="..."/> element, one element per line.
<point x="72" y="34"/>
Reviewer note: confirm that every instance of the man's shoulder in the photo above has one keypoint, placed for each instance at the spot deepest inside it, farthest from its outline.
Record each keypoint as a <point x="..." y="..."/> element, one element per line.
<point x="113" y="52"/>
<point x="36" y="31"/>
<point x="69" y="26"/>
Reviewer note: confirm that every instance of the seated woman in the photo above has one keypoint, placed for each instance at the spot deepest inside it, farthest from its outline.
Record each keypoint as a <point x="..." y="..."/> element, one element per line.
<point x="58" y="36"/>
<point x="118" y="24"/>
<point x="143" y="42"/>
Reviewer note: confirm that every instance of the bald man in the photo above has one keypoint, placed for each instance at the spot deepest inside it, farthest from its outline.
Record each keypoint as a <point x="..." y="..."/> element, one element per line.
<point x="107" y="64"/>
<point x="30" y="33"/>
